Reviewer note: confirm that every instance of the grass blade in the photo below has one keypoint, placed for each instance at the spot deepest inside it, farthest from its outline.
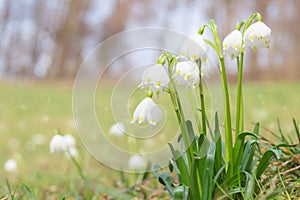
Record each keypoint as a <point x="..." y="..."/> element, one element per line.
<point x="28" y="191"/>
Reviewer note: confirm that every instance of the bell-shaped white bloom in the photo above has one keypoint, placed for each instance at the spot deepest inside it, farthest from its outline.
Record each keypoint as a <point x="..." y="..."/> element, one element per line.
<point x="232" y="44"/>
<point x="72" y="151"/>
<point x="69" y="141"/>
<point x="57" y="144"/>
<point x="136" y="162"/>
<point x="156" y="78"/>
<point x="187" y="72"/>
<point x="11" y="165"/>
<point x="147" y="111"/>
<point x="258" y="35"/>
<point x="117" y="129"/>
<point x="194" y="48"/>
<point x="60" y="143"/>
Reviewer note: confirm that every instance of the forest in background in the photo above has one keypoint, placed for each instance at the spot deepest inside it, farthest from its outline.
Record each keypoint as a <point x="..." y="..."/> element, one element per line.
<point x="43" y="39"/>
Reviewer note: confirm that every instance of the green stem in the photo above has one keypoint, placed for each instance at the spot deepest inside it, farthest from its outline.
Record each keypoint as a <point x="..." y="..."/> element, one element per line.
<point x="77" y="166"/>
<point x="178" y="110"/>
<point x="239" y="105"/>
<point x="201" y="93"/>
<point x="195" y="112"/>
<point x="228" y="129"/>
<point x="203" y="112"/>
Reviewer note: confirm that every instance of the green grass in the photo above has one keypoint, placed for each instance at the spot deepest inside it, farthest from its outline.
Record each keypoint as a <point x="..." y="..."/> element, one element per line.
<point x="29" y="110"/>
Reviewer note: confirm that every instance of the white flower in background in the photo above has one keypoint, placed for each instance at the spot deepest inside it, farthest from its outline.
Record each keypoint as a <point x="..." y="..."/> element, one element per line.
<point x="147" y="111"/>
<point x="117" y="129"/>
<point x="187" y="72"/>
<point x="194" y="48"/>
<point x="72" y="151"/>
<point x="11" y="165"/>
<point x="232" y="44"/>
<point x="69" y="141"/>
<point x="258" y="35"/>
<point x="60" y="143"/>
<point x="57" y="144"/>
<point x="156" y="78"/>
<point x="136" y="162"/>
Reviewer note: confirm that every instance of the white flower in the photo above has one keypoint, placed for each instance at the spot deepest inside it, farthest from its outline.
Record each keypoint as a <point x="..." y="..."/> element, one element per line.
<point x="232" y="44"/>
<point x="258" y="35"/>
<point x="69" y="141"/>
<point x="136" y="162"/>
<point x="61" y="143"/>
<point x="187" y="72"/>
<point x="147" y="111"/>
<point x="156" y="78"/>
<point x="194" y="48"/>
<point x="117" y="129"/>
<point x="72" y="151"/>
<point x="57" y="144"/>
<point x="11" y="165"/>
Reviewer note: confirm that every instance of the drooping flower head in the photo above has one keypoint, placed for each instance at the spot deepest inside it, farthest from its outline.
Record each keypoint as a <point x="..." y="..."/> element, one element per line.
<point x="117" y="129"/>
<point x="136" y="162"/>
<point x="57" y="144"/>
<point x="147" y="111"/>
<point x="60" y="143"/>
<point x="11" y="165"/>
<point x="156" y="78"/>
<point x="194" y="48"/>
<point x="258" y="35"/>
<point x="187" y="72"/>
<point x="232" y="44"/>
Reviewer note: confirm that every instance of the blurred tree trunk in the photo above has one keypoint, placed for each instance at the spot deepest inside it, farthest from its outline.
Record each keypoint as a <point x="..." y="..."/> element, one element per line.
<point x="68" y="40"/>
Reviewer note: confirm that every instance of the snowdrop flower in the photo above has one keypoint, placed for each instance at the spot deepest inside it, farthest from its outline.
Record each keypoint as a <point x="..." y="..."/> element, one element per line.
<point x="194" y="48"/>
<point x="11" y="165"/>
<point x="61" y="143"/>
<point x="232" y="44"/>
<point x="72" y="151"/>
<point x="258" y="35"/>
<point x="187" y="72"/>
<point x="156" y="78"/>
<point x="147" y="111"/>
<point x="57" y="144"/>
<point x="136" y="162"/>
<point x="117" y="129"/>
<point x="69" y="141"/>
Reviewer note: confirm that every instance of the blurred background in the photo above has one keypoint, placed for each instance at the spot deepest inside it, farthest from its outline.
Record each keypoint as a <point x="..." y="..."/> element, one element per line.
<point x="43" y="39"/>
<point x="44" y="42"/>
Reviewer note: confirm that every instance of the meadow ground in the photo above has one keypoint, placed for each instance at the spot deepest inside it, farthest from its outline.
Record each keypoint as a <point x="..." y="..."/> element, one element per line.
<point x="31" y="112"/>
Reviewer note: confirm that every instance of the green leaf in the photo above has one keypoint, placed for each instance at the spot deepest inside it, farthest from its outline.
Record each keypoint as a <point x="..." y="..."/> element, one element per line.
<point x="191" y="135"/>
<point x="249" y="187"/>
<point x="197" y="174"/>
<point x="239" y="148"/>
<point x="296" y="129"/>
<point x="247" y="159"/>
<point x="265" y="161"/>
<point x="181" y="165"/>
<point x="208" y="184"/>
<point x="179" y="193"/>
<point x="218" y="140"/>
<point x="28" y="191"/>
<point x="256" y="129"/>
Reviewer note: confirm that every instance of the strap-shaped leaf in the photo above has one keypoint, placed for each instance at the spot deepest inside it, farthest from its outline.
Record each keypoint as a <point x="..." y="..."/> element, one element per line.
<point x="239" y="148"/>
<point x="164" y="178"/>
<point x="265" y="161"/>
<point x="181" y="165"/>
<point x="208" y="183"/>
